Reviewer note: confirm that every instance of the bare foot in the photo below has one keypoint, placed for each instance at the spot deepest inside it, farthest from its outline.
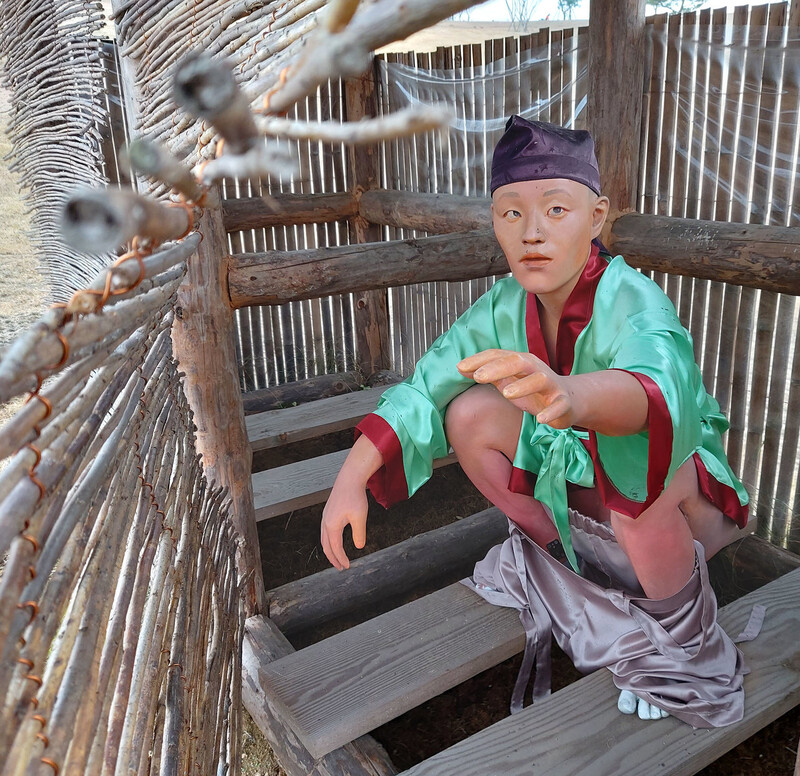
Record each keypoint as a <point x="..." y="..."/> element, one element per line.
<point x="629" y="703"/>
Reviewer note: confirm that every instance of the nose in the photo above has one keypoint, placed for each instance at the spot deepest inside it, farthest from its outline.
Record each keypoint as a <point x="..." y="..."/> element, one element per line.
<point x="533" y="233"/>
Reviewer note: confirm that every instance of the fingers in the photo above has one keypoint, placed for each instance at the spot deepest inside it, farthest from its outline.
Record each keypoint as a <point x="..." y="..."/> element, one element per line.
<point x="333" y="547"/>
<point x="468" y="365"/>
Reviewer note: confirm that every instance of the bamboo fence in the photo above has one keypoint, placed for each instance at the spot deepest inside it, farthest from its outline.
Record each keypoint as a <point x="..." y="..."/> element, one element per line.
<point x="120" y="606"/>
<point x="53" y="66"/>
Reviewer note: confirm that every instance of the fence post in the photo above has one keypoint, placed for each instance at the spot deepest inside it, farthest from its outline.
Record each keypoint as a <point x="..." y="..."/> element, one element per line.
<point x="203" y="339"/>
<point x="371" y="314"/>
<point x="616" y="73"/>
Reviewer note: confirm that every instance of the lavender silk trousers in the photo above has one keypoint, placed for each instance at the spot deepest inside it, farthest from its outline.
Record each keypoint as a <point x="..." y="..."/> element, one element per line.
<point x="671" y="652"/>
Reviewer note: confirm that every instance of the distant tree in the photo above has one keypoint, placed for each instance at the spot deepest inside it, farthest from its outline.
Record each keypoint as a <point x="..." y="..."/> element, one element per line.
<point x="520" y="12"/>
<point x="567" y="7"/>
<point x="674" y="6"/>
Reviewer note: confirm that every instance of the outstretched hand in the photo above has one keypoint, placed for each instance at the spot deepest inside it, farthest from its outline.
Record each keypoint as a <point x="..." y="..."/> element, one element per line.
<point x="526" y="381"/>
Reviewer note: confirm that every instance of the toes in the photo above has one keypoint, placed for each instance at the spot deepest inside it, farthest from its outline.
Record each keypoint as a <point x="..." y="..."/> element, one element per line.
<point x="643" y="707"/>
<point x="627" y="702"/>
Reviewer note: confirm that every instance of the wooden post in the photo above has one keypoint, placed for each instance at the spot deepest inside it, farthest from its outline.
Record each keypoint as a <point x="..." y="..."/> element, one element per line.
<point x="794" y="23"/>
<point x="203" y="338"/>
<point x="372" y="309"/>
<point x="616" y="72"/>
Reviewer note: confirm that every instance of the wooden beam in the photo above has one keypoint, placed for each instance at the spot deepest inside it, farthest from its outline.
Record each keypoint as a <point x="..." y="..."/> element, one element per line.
<point x="264" y="643"/>
<point x="280" y="276"/>
<point x="203" y="337"/>
<point x="300" y="391"/>
<point x="766" y="257"/>
<point x="616" y="73"/>
<point x="441" y="556"/>
<point x="287" y="209"/>
<point x="437" y="213"/>
<point x="371" y="314"/>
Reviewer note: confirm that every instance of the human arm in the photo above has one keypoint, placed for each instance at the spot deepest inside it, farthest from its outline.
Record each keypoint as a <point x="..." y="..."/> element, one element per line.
<point x="610" y="402"/>
<point x="347" y="503"/>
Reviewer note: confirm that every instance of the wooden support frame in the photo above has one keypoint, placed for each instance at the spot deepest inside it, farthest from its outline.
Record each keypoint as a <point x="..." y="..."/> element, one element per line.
<point x="616" y="71"/>
<point x="750" y="255"/>
<point x="203" y="337"/>
<point x="371" y="315"/>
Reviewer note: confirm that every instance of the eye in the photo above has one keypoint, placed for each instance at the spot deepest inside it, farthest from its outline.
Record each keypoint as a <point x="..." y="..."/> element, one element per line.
<point x="512" y="215"/>
<point x="557" y="210"/>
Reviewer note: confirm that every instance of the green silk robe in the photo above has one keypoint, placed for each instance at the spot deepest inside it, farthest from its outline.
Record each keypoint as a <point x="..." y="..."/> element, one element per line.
<point x="615" y="318"/>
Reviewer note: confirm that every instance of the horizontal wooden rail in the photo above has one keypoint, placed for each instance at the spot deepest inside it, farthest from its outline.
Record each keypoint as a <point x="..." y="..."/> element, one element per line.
<point x="286" y="209"/>
<point x="766" y="257"/>
<point x="449" y="552"/>
<point x="288" y="276"/>
<point x="437" y="213"/>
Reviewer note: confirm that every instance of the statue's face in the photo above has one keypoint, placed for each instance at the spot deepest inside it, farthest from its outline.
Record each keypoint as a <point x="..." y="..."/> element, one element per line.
<point x="545" y="228"/>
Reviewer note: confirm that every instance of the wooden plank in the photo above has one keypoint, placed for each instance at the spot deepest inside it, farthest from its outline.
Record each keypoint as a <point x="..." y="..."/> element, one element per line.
<point x="292" y="424"/>
<point x="302" y="484"/>
<point x="441" y="556"/>
<point x="263" y="643"/>
<point x="579" y="730"/>
<point x="334" y="690"/>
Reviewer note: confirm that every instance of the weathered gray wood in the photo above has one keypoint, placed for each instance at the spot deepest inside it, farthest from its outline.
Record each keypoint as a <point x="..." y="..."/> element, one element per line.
<point x="579" y="730"/>
<point x="437" y="213"/>
<point x="287" y="209"/>
<point x="203" y="337"/>
<point x="336" y="689"/>
<point x="450" y="551"/>
<point x="292" y="424"/>
<point x="299" y="391"/>
<point x="302" y="484"/>
<point x="756" y="256"/>
<point x="283" y="276"/>
<point x="263" y="643"/>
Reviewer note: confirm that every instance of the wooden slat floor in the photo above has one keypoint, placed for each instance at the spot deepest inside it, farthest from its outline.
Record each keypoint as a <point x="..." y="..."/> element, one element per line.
<point x="579" y="730"/>
<point x="266" y="430"/>
<point x="302" y="484"/>
<point x="348" y="684"/>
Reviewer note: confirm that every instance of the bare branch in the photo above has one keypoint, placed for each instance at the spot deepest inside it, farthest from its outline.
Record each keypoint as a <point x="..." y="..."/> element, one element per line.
<point x="408" y="121"/>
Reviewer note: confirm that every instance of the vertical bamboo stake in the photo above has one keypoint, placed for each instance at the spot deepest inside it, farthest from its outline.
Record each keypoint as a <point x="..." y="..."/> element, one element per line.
<point x="373" y="348"/>
<point x="616" y="73"/>
<point x="203" y="337"/>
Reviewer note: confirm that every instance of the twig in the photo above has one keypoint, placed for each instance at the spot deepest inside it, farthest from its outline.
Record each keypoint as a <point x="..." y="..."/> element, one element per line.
<point x="98" y="220"/>
<point x="408" y="121"/>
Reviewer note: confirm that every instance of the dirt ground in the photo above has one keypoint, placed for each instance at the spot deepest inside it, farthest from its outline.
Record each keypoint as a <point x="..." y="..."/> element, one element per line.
<point x="22" y="290"/>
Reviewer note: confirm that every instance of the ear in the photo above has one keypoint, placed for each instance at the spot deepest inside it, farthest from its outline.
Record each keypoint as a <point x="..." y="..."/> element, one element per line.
<point x="599" y="215"/>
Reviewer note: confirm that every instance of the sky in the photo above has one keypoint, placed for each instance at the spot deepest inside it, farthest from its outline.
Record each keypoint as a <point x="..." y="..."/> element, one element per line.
<point x="496" y="10"/>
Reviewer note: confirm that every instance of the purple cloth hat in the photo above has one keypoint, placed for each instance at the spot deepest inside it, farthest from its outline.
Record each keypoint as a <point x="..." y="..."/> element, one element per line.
<point x="536" y="150"/>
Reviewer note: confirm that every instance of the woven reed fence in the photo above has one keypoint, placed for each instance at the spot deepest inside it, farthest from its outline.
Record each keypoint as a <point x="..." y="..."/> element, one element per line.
<point x="120" y="609"/>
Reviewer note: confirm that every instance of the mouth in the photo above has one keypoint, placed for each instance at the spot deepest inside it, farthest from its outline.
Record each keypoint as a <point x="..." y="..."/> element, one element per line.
<point x="534" y="260"/>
